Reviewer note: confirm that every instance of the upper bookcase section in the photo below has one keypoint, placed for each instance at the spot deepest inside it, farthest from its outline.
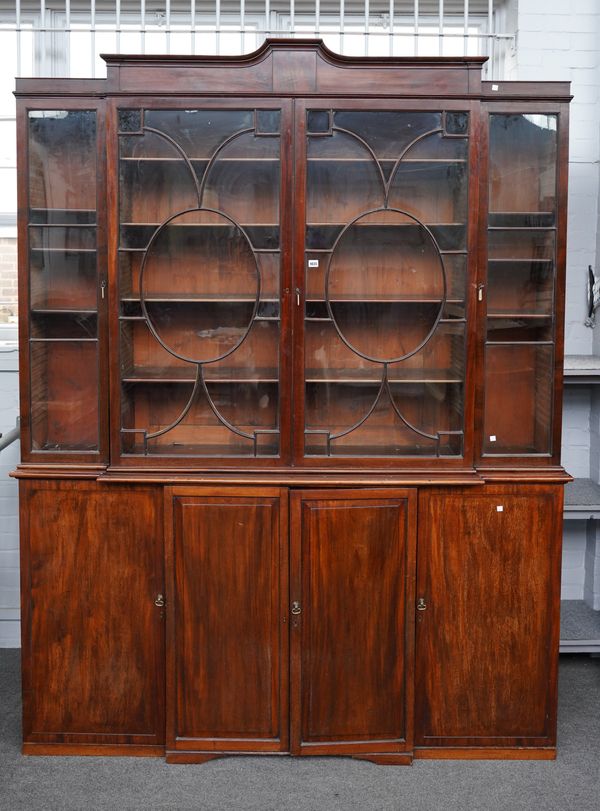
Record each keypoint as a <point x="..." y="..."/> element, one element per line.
<point x="291" y="67"/>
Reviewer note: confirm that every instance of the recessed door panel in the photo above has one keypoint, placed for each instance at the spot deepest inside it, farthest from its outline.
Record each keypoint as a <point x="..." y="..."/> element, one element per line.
<point x="93" y="636"/>
<point x="351" y="621"/>
<point x="487" y="637"/>
<point x="227" y="624"/>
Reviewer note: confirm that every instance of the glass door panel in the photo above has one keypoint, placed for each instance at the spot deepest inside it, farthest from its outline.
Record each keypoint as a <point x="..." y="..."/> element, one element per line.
<point x="519" y="355"/>
<point x="63" y="281"/>
<point x="385" y="280"/>
<point x="200" y="267"/>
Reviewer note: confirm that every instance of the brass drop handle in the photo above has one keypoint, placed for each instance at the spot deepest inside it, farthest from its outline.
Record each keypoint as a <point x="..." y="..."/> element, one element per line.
<point x="160" y="601"/>
<point x="296" y="607"/>
<point x="421" y="604"/>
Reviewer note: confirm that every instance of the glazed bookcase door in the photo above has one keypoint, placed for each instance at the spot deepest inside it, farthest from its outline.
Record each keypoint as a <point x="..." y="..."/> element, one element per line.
<point x="200" y="296"/>
<point x="525" y="241"/>
<point x="62" y="300"/>
<point x="385" y="248"/>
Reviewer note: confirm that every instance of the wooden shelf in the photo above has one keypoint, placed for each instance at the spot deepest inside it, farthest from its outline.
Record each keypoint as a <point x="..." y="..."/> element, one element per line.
<point x="519" y="343"/>
<point x="383" y="300"/>
<point x="420" y="451"/>
<point x="68" y="312"/>
<point x="518" y="260"/>
<point x="62" y="250"/>
<point x="433" y="161"/>
<point x="521" y="228"/>
<point x="385" y="225"/>
<point x="73" y="210"/>
<point x="161" y="381"/>
<point x="178" y="449"/>
<point x="62" y="225"/>
<point x="218" y="298"/>
<point x="62" y="340"/>
<point x="355" y="381"/>
<point x="257" y="159"/>
<point x="374" y="376"/>
<point x="519" y="315"/>
<point x="159" y="159"/>
<point x="200" y="225"/>
<point x="184" y="375"/>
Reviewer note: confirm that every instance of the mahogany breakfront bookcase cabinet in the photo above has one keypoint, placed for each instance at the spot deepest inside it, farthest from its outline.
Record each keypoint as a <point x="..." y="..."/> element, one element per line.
<point x="291" y="355"/>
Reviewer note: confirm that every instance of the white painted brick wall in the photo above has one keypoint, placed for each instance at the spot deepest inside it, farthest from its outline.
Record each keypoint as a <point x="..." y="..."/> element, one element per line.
<point x="9" y="521"/>
<point x="554" y="45"/>
<point x="576" y="431"/>
<point x="592" y="568"/>
<point x="573" y="560"/>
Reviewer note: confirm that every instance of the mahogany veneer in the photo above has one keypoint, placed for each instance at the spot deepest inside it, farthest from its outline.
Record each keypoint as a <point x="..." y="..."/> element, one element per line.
<point x="291" y="333"/>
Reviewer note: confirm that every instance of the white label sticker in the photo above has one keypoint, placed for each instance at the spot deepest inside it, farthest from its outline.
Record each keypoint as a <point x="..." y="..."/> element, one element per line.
<point x="493" y="438"/>
<point x="500" y="508"/>
<point x="313" y="263"/>
<point x="495" y="87"/>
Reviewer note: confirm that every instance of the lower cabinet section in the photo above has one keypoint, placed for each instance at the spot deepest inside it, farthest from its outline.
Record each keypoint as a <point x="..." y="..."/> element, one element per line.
<point x="352" y="567"/>
<point x="488" y="635"/>
<point x="92" y="636"/>
<point x="227" y="621"/>
<point x="377" y="623"/>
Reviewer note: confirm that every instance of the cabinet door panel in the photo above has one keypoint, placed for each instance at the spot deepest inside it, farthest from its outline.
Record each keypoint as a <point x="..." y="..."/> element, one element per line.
<point x="352" y="570"/>
<point x="487" y="642"/>
<point x="226" y="627"/>
<point x="93" y="650"/>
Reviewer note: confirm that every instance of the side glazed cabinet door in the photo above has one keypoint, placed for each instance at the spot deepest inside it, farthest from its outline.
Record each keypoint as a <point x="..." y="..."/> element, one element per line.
<point x="487" y="637"/>
<point x="93" y="637"/>
<point x="526" y="236"/>
<point x="227" y="624"/>
<point x="63" y="278"/>
<point x="352" y="621"/>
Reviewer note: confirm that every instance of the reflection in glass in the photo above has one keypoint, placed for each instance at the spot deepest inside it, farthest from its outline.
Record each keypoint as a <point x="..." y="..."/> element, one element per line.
<point x="520" y="286"/>
<point x="521" y="281"/>
<point x="199" y="277"/>
<point x="63" y="280"/>
<point x="62" y="159"/>
<point x="386" y="200"/>
<point x="388" y="132"/>
<point x="522" y="163"/>
<point x="63" y="323"/>
<point x="518" y="414"/>
<point x="64" y="395"/>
